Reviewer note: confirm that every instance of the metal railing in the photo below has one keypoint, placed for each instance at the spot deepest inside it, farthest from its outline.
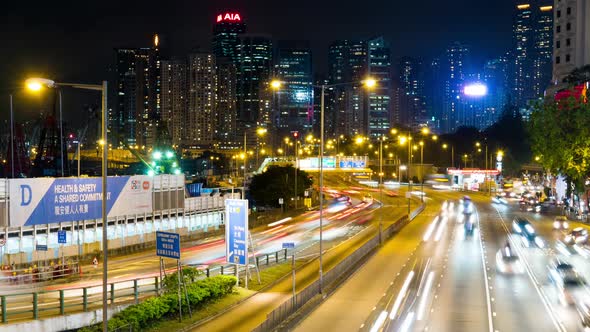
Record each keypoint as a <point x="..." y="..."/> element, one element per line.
<point x="290" y="306"/>
<point x="42" y="304"/>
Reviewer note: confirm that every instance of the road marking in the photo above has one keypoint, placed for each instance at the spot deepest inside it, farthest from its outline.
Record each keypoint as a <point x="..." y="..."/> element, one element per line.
<point x="401" y="295"/>
<point x="558" y="325"/>
<point x="485" y="279"/>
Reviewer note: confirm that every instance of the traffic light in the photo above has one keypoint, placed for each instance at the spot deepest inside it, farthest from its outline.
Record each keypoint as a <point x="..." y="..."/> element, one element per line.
<point x="295" y="134"/>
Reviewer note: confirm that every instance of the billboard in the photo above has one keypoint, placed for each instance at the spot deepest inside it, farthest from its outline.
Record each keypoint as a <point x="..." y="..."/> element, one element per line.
<point x="39" y="201"/>
<point x="236" y="231"/>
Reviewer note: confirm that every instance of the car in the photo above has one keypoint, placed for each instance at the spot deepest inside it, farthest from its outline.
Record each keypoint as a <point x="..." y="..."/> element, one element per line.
<point x="518" y="224"/>
<point x="572" y="289"/>
<point x="558" y="270"/>
<point x="578" y="235"/>
<point x="524" y="228"/>
<point x="368" y="198"/>
<point x="498" y="199"/>
<point x="560" y="222"/>
<point x="507" y="262"/>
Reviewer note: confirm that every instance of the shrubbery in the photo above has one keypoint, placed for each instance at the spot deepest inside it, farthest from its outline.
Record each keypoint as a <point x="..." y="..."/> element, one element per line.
<point x="146" y="313"/>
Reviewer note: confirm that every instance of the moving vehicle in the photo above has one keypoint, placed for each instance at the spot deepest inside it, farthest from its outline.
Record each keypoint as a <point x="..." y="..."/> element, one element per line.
<point x="558" y="270"/>
<point x="573" y="289"/>
<point x="578" y="235"/>
<point x="507" y="262"/>
<point x="524" y="228"/>
<point x="560" y="222"/>
<point x="499" y="199"/>
<point x="466" y="205"/>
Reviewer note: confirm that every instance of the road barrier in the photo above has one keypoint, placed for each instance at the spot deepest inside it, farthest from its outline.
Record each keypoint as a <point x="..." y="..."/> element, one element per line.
<point x="290" y="306"/>
<point x="48" y="303"/>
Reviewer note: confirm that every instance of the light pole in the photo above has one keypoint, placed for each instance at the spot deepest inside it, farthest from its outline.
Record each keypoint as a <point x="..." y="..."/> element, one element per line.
<point x="422" y="171"/>
<point x="381" y="139"/>
<point x="38" y="83"/>
<point x="11" y="138"/>
<point x="368" y="83"/>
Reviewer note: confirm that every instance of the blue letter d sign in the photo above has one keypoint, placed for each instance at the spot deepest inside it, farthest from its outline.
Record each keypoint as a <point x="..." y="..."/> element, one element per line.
<point x="26" y="194"/>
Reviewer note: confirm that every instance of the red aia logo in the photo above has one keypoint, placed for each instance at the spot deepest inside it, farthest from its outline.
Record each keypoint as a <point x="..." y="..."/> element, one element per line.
<point x="229" y="17"/>
<point x="146" y="185"/>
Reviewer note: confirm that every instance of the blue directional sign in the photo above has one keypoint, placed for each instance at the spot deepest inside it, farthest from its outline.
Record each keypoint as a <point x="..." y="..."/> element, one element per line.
<point x="41" y="247"/>
<point x="236" y="231"/>
<point x="288" y="245"/>
<point x="168" y="245"/>
<point x="61" y="237"/>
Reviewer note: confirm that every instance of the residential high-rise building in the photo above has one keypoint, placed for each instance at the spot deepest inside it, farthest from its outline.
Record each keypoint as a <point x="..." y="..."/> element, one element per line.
<point x="571" y="39"/>
<point x="434" y="91"/>
<point x="226" y="77"/>
<point x="254" y="67"/>
<point x="200" y="118"/>
<point x="175" y="97"/>
<point x="496" y="78"/>
<point x="532" y="40"/>
<point x="454" y="74"/>
<point x="345" y="104"/>
<point x="293" y="67"/>
<point x="413" y="110"/>
<point x="136" y="110"/>
<point x="226" y="31"/>
<point x="379" y="100"/>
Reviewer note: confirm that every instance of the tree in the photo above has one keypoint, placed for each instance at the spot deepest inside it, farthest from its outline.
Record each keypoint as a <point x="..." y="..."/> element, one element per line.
<point x="278" y="182"/>
<point x="559" y="132"/>
<point x="578" y="75"/>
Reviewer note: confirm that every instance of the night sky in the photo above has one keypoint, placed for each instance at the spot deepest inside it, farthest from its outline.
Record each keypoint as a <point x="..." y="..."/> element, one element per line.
<point x="73" y="41"/>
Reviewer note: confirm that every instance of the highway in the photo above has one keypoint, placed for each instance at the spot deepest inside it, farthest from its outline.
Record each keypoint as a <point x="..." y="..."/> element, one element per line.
<point x="342" y="221"/>
<point x="434" y="276"/>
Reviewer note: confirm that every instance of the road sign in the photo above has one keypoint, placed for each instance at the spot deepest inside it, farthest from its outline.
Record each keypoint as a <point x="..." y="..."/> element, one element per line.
<point x="2" y="242"/>
<point x="61" y="237"/>
<point x="236" y="231"/>
<point x="168" y="245"/>
<point x="281" y="201"/>
<point x="41" y="247"/>
<point x="408" y="195"/>
<point x="306" y="193"/>
<point x="288" y="245"/>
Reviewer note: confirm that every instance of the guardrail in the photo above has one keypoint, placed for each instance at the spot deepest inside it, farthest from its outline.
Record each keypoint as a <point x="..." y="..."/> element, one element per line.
<point x="290" y="306"/>
<point x="37" y="274"/>
<point x="35" y="305"/>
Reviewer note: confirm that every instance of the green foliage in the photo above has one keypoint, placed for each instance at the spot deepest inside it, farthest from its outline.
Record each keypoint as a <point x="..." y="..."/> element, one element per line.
<point x="278" y="182"/>
<point x="189" y="274"/>
<point x="559" y="133"/>
<point x="143" y="314"/>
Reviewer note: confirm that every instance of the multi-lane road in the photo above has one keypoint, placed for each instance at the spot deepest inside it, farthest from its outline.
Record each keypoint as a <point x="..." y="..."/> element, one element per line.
<point x="435" y="276"/>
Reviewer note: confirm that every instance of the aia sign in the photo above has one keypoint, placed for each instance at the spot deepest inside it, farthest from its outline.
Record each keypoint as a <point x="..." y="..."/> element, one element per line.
<point x="229" y="17"/>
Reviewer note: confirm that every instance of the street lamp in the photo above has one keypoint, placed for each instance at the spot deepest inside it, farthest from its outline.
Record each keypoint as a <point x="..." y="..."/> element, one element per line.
<point x="369" y="83"/>
<point x="36" y="84"/>
<point x="422" y="171"/>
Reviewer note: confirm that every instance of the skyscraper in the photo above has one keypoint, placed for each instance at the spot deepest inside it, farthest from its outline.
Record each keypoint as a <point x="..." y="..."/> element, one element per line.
<point x="345" y="106"/>
<point x="454" y="74"/>
<point x="572" y="37"/>
<point x="379" y="103"/>
<point x="226" y="77"/>
<point x="175" y="97"/>
<point x="200" y="118"/>
<point x="413" y="111"/>
<point x="254" y="67"/>
<point x="532" y="40"/>
<point x="294" y="68"/>
<point x="226" y="31"/>
<point x="138" y="95"/>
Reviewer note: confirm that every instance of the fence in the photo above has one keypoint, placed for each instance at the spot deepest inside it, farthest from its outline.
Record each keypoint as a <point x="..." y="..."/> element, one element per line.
<point x="289" y="307"/>
<point x="35" y="305"/>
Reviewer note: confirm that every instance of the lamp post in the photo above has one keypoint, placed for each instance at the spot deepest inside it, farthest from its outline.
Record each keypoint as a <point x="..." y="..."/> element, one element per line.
<point x="11" y="138"/>
<point x="381" y="139"/>
<point x="37" y="84"/>
<point x="368" y="83"/>
<point x="422" y="171"/>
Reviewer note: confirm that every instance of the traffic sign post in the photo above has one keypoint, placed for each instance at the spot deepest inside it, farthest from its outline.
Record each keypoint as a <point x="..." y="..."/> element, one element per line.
<point x="291" y="245"/>
<point x="62" y="239"/>
<point x="236" y="232"/>
<point x="168" y="245"/>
